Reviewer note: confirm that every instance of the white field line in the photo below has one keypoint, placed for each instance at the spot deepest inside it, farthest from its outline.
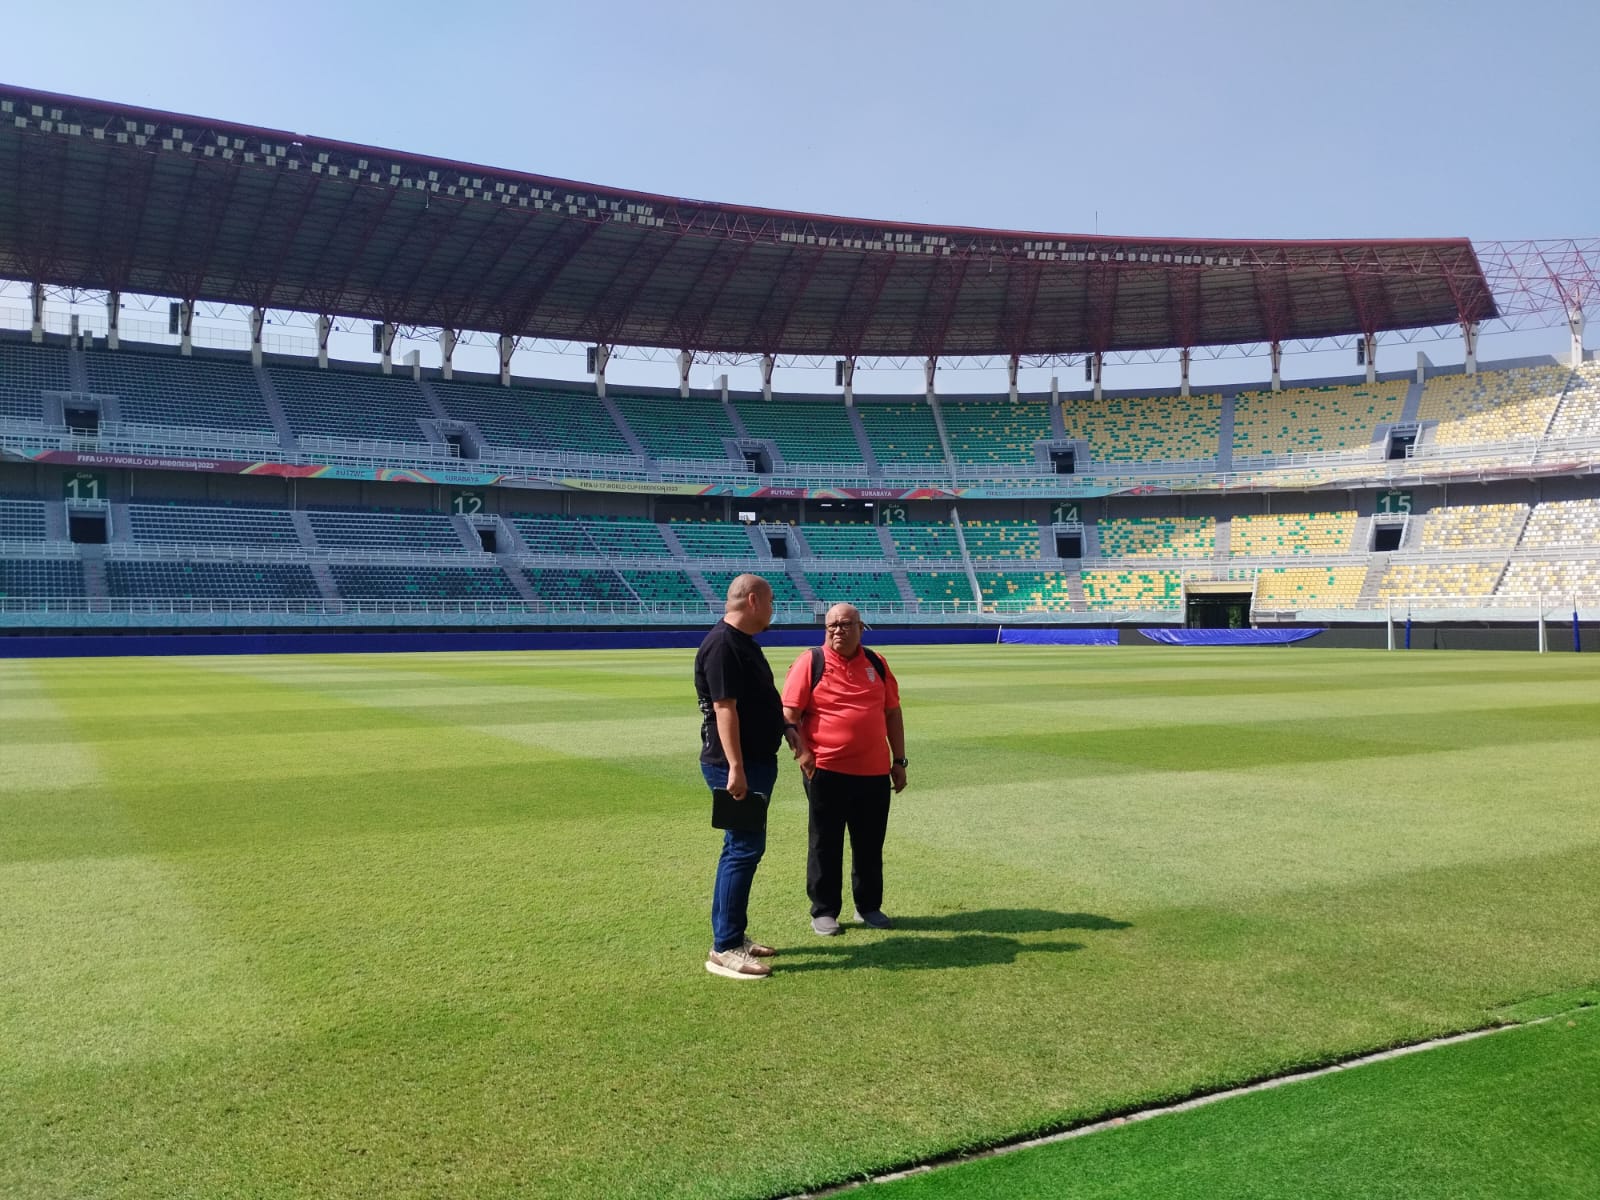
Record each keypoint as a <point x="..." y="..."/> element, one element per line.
<point x="1145" y="1114"/>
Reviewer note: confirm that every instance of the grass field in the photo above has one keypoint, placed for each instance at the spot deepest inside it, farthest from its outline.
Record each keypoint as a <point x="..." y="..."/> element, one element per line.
<point x="1515" y="1116"/>
<point x="433" y="925"/>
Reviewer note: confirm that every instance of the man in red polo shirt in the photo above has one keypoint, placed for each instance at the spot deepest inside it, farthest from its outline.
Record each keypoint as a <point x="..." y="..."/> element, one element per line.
<point x="850" y="720"/>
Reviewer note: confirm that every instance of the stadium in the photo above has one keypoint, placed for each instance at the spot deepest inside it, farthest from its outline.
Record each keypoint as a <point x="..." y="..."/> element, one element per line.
<point x="273" y="924"/>
<point x="172" y="486"/>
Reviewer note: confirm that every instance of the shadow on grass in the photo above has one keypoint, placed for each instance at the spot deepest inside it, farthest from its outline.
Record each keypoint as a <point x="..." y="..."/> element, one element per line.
<point x="1009" y="920"/>
<point x="919" y="954"/>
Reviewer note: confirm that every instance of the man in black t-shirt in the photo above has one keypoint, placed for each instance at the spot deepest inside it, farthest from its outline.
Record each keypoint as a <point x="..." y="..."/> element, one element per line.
<point x="741" y="728"/>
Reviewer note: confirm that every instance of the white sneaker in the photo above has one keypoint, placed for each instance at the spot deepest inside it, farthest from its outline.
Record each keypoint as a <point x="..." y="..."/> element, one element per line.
<point x="737" y="963"/>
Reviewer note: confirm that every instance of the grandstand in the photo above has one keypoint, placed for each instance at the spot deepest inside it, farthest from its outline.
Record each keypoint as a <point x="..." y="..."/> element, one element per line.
<point x="1146" y="429"/>
<point x="802" y="433"/>
<point x="925" y="561"/>
<point x="1493" y="406"/>
<point x="159" y="392"/>
<point x="297" y="489"/>
<point x="1333" y="419"/>
<point x="996" y="433"/>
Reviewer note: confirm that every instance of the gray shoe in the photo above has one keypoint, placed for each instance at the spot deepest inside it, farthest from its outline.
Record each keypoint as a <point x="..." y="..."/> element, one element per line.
<point x="826" y="926"/>
<point x="875" y="918"/>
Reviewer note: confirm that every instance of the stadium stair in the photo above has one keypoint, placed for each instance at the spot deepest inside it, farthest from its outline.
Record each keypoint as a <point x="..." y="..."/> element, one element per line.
<point x="55" y="522"/>
<point x="1408" y="410"/>
<point x="1555" y="410"/>
<point x="1073" y="578"/>
<point x="944" y="444"/>
<point x="671" y="539"/>
<point x="1092" y="545"/>
<point x="1576" y="411"/>
<point x="77" y="370"/>
<point x="519" y="581"/>
<point x="119" y="522"/>
<point x="468" y="533"/>
<point x="1520" y="524"/>
<point x="734" y="420"/>
<point x="507" y="537"/>
<point x="435" y="405"/>
<point x="874" y="467"/>
<point x="799" y="547"/>
<point x="801" y="583"/>
<point x="903" y="583"/>
<point x="1222" y="546"/>
<point x="322" y="576"/>
<point x="1361" y="535"/>
<point x="626" y="430"/>
<point x="1225" y="436"/>
<point x="274" y="405"/>
<point x="1377" y="567"/>
<point x="704" y="589"/>
<point x="961" y="541"/>
<point x="308" y="535"/>
<point x="93" y="561"/>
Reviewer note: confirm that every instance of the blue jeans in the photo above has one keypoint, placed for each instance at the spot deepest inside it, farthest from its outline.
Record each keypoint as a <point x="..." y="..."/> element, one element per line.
<point x="741" y="852"/>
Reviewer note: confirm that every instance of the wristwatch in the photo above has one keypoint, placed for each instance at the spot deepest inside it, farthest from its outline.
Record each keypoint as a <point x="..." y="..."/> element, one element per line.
<point x="902" y="762"/>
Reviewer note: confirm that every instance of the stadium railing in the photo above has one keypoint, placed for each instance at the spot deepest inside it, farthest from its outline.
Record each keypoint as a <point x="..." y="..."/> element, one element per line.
<point x="177" y="611"/>
<point x="384" y="448"/>
<point x="41" y="549"/>
<point x="1422" y="462"/>
<point x="1492" y="607"/>
<point x="232" y="439"/>
<point x="259" y="552"/>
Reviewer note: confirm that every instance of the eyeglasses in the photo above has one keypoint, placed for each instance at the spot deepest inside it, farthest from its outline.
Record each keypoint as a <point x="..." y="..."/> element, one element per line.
<point x="842" y="624"/>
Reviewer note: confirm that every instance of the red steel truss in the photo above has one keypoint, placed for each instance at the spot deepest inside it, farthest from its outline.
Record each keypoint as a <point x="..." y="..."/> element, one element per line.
<point x="111" y="197"/>
<point x="1555" y="275"/>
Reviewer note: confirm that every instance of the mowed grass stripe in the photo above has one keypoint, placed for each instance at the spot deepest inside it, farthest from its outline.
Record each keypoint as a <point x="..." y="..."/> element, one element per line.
<point x="483" y="975"/>
<point x="1165" y="837"/>
<point x="1514" y="1116"/>
<point x="37" y="750"/>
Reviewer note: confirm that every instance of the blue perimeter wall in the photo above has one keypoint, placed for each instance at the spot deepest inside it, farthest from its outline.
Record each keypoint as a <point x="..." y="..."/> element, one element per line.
<point x="103" y="646"/>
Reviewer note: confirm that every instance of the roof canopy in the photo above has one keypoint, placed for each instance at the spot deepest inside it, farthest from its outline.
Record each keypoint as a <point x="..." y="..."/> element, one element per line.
<point x="107" y="196"/>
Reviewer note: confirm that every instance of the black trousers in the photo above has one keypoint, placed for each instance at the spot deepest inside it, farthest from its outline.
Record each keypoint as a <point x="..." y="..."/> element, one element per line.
<point x="859" y="804"/>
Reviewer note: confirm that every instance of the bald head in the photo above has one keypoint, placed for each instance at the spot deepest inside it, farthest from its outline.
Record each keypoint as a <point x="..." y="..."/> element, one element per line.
<point x="749" y="603"/>
<point x="842" y="629"/>
<point x="843" y="612"/>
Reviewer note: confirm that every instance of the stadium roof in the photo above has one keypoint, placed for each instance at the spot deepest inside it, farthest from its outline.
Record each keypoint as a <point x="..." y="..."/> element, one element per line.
<point x="109" y="196"/>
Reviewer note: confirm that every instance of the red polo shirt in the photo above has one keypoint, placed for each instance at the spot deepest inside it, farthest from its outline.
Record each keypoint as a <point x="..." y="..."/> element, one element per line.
<point x="843" y="719"/>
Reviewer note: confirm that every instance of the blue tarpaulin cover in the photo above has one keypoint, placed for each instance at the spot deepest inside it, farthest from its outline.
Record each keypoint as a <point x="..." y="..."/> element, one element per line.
<point x="1059" y="637"/>
<point x="1229" y="637"/>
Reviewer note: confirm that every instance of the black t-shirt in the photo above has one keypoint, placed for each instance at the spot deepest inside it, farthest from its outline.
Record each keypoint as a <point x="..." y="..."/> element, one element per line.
<point x="731" y="666"/>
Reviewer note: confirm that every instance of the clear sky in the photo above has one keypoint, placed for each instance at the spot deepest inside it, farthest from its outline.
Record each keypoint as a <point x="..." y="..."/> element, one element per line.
<point x="1234" y="118"/>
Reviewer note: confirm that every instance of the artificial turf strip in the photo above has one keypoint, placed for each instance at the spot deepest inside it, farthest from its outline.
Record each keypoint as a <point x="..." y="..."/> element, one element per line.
<point x="434" y="924"/>
<point x="1511" y="1116"/>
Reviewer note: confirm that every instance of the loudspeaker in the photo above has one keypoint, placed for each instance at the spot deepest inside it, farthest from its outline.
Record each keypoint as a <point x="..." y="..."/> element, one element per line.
<point x="172" y="317"/>
<point x="838" y="372"/>
<point x="377" y="339"/>
<point x="592" y="356"/>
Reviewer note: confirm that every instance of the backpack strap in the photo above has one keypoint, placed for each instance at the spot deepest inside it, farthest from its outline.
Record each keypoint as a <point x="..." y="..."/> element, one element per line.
<point x="817" y="663"/>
